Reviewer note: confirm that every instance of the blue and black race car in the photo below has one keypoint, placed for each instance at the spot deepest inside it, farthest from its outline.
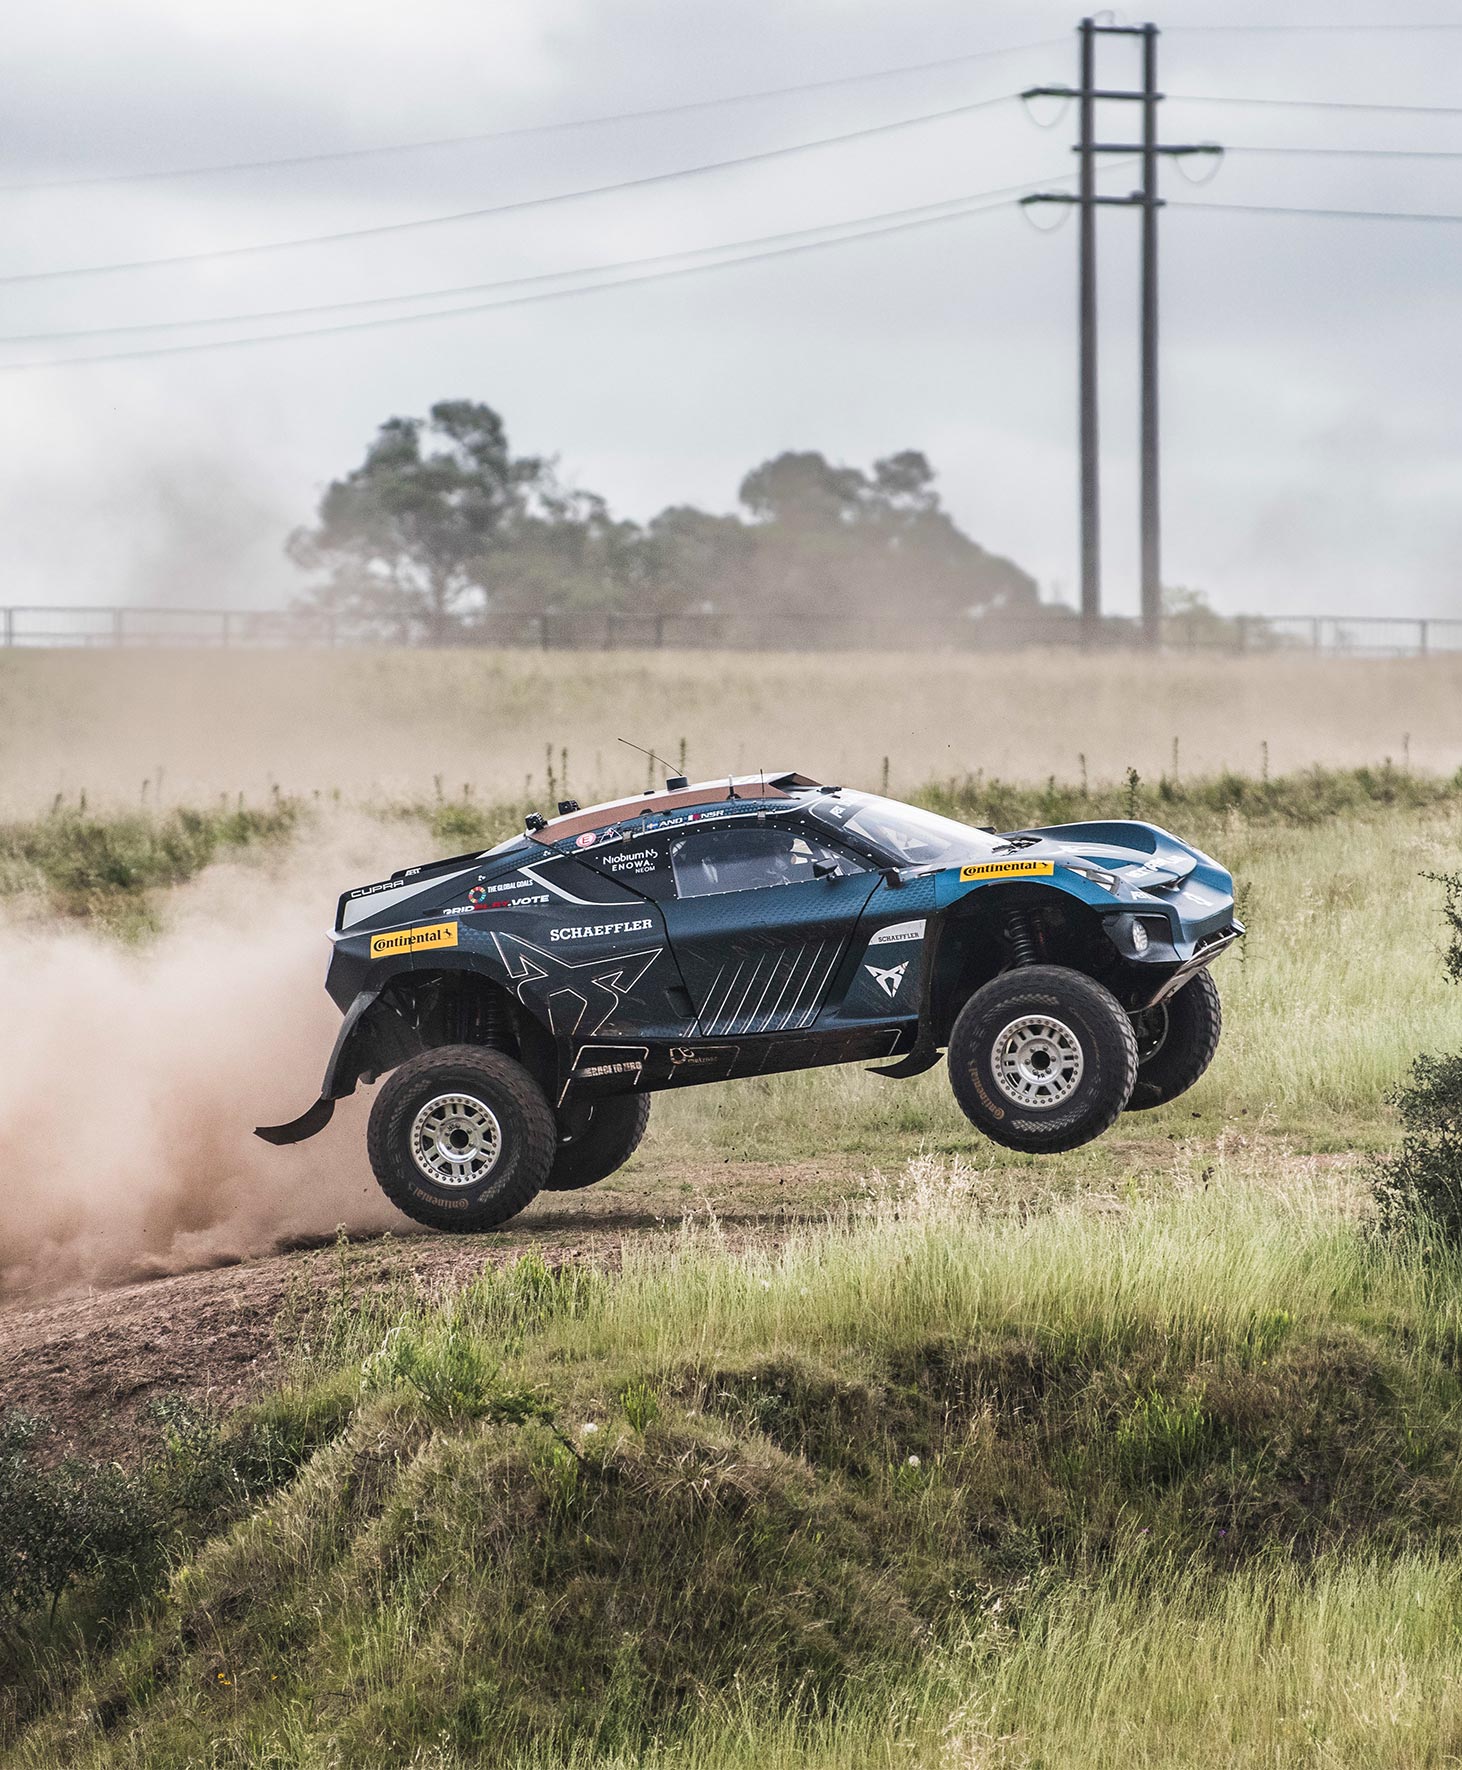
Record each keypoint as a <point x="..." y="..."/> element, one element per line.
<point x="524" y="1003"/>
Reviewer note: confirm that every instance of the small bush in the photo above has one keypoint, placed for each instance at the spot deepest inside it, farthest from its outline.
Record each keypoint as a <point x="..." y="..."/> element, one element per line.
<point x="1421" y="1183"/>
<point x="1451" y="884"/>
<point x="111" y="1530"/>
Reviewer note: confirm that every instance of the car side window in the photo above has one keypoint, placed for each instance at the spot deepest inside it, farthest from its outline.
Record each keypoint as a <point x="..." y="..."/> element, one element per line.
<point x="707" y="862"/>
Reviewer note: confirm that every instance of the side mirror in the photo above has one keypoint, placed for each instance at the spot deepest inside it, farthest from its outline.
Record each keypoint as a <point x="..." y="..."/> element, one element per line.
<point x="892" y="877"/>
<point x="826" y="869"/>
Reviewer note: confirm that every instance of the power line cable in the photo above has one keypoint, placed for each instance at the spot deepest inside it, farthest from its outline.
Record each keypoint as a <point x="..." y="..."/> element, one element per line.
<point x="1347" y="153"/>
<point x="1392" y="30"/>
<point x="1327" y="214"/>
<point x="1320" y="104"/>
<point x="986" y="203"/>
<point x="528" y="129"/>
<point x="517" y="204"/>
<point x="356" y="303"/>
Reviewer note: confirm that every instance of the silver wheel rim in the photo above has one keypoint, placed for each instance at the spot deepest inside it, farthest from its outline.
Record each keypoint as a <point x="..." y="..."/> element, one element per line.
<point x="1037" y="1061"/>
<point x="456" y="1140"/>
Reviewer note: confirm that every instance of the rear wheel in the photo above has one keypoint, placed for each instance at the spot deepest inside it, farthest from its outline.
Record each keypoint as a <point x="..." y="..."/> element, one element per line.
<point x="596" y="1139"/>
<point x="1176" y="1042"/>
<point x="461" y="1138"/>
<point x="1042" y="1059"/>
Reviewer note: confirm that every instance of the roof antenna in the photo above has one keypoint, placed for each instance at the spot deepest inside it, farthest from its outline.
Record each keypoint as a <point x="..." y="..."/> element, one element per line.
<point x="644" y="752"/>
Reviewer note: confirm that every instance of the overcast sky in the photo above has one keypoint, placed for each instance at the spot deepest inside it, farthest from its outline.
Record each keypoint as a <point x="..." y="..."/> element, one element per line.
<point x="1312" y="391"/>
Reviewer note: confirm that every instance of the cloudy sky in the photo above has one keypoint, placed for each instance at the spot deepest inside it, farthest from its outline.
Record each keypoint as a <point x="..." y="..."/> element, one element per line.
<point x="1312" y="380"/>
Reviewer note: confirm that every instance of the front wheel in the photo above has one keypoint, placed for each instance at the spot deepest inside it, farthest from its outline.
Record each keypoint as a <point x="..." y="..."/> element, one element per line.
<point x="1042" y="1059"/>
<point x="461" y="1138"/>
<point x="1176" y="1042"/>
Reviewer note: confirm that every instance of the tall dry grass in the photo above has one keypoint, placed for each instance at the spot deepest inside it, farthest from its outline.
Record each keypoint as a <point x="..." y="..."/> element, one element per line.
<point x="390" y="720"/>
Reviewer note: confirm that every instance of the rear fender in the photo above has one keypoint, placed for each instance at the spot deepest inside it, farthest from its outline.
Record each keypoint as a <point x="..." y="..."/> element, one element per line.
<point x="342" y="1073"/>
<point x="411" y="1011"/>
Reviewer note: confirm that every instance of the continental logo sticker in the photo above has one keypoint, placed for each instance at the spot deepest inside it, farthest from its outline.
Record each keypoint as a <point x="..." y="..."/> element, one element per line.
<point x="413" y="940"/>
<point x="1008" y="869"/>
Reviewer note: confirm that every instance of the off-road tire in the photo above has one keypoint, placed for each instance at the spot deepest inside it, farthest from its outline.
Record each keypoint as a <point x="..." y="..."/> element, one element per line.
<point x="596" y="1139"/>
<point x="526" y="1137"/>
<point x="1089" y="1077"/>
<point x="1176" y="1042"/>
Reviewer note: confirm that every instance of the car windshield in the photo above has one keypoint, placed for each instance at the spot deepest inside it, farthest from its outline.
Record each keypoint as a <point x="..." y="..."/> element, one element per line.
<point x="916" y="838"/>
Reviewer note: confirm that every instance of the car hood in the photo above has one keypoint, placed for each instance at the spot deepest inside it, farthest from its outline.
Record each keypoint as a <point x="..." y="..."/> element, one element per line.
<point x="1141" y="855"/>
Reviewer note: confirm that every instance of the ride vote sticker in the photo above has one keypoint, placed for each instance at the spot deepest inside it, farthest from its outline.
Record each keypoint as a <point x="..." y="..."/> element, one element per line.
<point x="413" y="940"/>
<point x="1008" y="869"/>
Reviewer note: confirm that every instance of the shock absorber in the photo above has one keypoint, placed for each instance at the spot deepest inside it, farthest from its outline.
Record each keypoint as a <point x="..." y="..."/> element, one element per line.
<point x="1021" y="936"/>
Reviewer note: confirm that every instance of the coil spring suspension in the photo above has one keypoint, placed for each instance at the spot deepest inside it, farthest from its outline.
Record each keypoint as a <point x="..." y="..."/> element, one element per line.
<point x="1021" y="936"/>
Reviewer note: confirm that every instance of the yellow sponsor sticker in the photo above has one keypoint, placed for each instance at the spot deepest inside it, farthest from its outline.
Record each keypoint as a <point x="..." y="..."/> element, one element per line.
<point x="413" y="940"/>
<point x="1008" y="869"/>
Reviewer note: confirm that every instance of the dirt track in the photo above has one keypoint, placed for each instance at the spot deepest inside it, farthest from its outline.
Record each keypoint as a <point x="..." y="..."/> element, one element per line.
<point x="89" y="1363"/>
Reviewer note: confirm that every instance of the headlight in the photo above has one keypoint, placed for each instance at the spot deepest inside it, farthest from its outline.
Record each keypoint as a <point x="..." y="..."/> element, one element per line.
<point x="1140" y="941"/>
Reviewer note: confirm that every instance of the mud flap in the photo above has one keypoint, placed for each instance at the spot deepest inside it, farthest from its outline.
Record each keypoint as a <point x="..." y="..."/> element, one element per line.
<point x="914" y="1064"/>
<point x="306" y="1125"/>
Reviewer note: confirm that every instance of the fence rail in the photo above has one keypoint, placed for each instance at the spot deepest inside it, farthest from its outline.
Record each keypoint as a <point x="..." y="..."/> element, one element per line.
<point x="1359" y="636"/>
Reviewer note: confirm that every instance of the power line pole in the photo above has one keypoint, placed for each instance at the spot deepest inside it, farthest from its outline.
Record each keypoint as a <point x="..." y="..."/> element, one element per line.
<point x="1088" y="94"/>
<point x="1150" y="494"/>
<point x="1088" y="421"/>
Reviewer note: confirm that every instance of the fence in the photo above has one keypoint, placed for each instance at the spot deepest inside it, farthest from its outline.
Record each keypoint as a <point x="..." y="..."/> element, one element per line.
<point x="1358" y="636"/>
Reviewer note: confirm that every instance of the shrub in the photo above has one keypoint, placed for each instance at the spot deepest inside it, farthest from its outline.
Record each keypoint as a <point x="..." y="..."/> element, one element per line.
<point x="1451" y="884"/>
<point x="112" y="1530"/>
<point x="71" y="1522"/>
<point x="1421" y="1183"/>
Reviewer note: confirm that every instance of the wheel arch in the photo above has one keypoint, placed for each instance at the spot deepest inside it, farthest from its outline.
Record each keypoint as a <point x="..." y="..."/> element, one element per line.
<point x="419" y="1008"/>
<point x="980" y="937"/>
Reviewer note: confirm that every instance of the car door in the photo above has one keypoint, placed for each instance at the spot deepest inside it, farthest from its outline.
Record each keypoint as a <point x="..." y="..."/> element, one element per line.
<point x="760" y="915"/>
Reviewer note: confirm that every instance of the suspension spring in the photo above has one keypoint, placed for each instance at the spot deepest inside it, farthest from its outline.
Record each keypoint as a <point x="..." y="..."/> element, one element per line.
<point x="1022" y="938"/>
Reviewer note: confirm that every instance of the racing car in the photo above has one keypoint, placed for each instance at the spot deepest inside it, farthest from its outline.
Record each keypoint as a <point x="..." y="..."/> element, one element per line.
<point x="524" y="1003"/>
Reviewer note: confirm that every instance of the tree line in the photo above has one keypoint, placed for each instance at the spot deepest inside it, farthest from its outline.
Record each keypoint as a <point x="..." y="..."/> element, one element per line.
<point x="442" y="527"/>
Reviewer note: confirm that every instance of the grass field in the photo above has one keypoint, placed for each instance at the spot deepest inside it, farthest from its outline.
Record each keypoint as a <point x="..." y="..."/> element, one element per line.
<point x="1169" y="1486"/>
<point x="1144" y="1455"/>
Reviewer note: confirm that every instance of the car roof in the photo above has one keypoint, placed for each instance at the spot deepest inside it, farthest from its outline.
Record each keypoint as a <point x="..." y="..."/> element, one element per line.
<point x="781" y="785"/>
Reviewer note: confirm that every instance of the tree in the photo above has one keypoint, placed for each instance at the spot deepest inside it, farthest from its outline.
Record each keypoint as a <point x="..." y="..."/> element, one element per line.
<point x="441" y="527"/>
<point x="566" y="552"/>
<point x="691" y="560"/>
<point x="413" y="534"/>
<point x="836" y="541"/>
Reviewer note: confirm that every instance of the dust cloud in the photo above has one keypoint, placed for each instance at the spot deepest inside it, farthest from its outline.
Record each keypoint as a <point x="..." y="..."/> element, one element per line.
<point x="131" y="1080"/>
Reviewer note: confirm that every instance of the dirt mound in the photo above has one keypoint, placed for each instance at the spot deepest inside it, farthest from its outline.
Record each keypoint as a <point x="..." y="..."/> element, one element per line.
<point x="89" y="1363"/>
